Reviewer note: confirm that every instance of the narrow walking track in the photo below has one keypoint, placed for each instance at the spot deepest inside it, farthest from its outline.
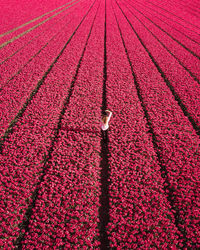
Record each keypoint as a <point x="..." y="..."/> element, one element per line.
<point x="65" y="184"/>
<point x="104" y="164"/>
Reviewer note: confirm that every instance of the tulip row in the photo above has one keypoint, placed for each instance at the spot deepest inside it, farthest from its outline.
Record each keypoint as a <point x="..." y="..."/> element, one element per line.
<point x="175" y="140"/>
<point x="18" y="89"/>
<point x="15" y="17"/>
<point x="188" y="59"/>
<point x="26" y="149"/>
<point x="36" y="35"/>
<point x="184" y="85"/>
<point x="25" y="51"/>
<point x="140" y="215"/>
<point x="172" y="33"/>
<point x="174" y="24"/>
<point x="68" y="202"/>
<point x="183" y="17"/>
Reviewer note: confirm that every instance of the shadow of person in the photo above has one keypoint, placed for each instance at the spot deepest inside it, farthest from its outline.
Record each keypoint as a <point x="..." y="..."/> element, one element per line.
<point x="80" y="130"/>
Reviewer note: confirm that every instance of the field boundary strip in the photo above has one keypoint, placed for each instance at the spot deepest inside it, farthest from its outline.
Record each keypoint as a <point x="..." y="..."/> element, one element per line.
<point x="176" y="96"/>
<point x="36" y="54"/>
<point x="157" y="6"/>
<point x="3" y="61"/>
<point x="34" y="27"/>
<point x="33" y="20"/>
<point x="165" y="177"/>
<point x="34" y="92"/>
<point x="104" y="164"/>
<point x="181" y="44"/>
<point x="167" y="23"/>
<point x="191" y="74"/>
<point x="25" y="223"/>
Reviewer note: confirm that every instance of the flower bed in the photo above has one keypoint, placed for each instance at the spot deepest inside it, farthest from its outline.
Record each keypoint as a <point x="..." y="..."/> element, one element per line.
<point x="38" y="35"/>
<point x="24" y="153"/>
<point x="17" y="90"/>
<point x="65" y="184"/>
<point x="178" y="77"/>
<point x="140" y="214"/>
<point x="70" y="191"/>
<point x="14" y="14"/>
<point x="176" y="140"/>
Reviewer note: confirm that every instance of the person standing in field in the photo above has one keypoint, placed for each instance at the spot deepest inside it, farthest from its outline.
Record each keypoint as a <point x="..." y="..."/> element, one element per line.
<point x="105" y="119"/>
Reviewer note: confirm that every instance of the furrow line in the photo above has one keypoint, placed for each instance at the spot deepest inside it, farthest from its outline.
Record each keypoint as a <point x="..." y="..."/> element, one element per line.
<point x="160" y="13"/>
<point x="189" y="71"/>
<point x="33" y="20"/>
<point x="34" y="27"/>
<point x="176" y="96"/>
<point x="168" y="191"/>
<point x="145" y="6"/>
<point x="29" y="42"/>
<point x="193" y="4"/>
<point x="25" y="223"/>
<point x="34" y="92"/>
<point x="104" y="165"/>
<point x="187" y="59"/>
<point x="36" y="54"/>
<point x="181" y="44"/>
<point x="182" y="6"/>
<point x="157" y="6"/>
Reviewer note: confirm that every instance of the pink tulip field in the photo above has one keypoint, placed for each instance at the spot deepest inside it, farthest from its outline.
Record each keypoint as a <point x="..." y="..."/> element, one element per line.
<point x="65" y="183"/>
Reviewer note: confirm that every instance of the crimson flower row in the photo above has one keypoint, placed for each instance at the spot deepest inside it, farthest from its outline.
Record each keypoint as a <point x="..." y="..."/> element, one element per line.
<point x="31" y="48"/>
<point x="172" y="32"/>
<point x="39" y="34"/>
<point x="184" y="85"/>
<point x="182" y="16"/>
<point x="140" y="213"/>
<point x="172" y="132"/>
<point x="187" y="59"/>
<point x="26" y="20"/>
<point x="67" y="209"/>
<point x="17" y="90"/>
<point x="25" y="151"/>
<point x="158" y="13"/>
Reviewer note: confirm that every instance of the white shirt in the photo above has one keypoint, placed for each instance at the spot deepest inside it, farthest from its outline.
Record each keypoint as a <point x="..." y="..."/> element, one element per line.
<point x="106" y="126"/>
